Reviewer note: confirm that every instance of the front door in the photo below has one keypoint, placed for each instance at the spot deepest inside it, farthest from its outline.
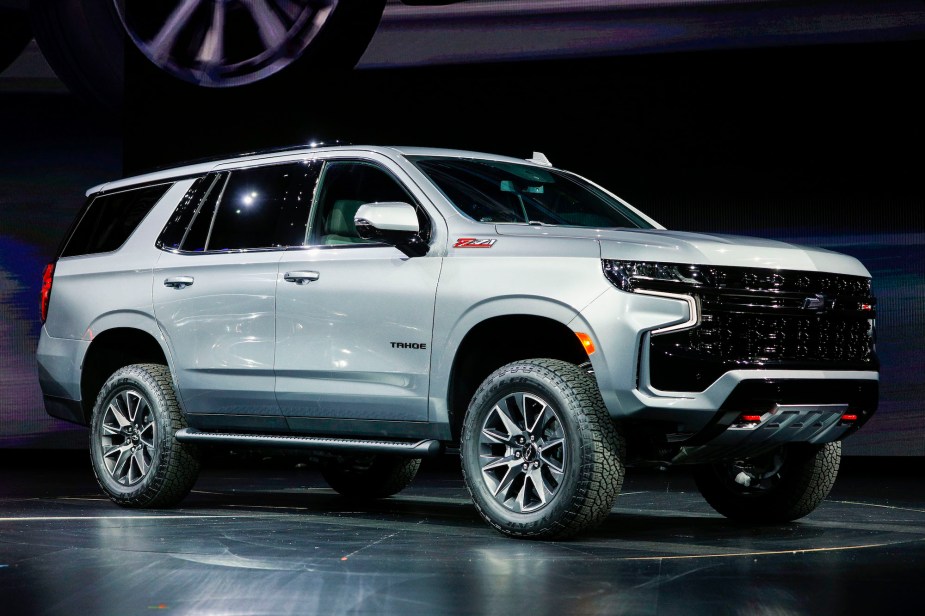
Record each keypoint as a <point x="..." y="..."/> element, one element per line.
<point x="354" y="318"/>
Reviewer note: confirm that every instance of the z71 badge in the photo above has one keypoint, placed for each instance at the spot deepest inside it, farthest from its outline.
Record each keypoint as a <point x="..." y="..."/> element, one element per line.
<point x="471" y="242"/>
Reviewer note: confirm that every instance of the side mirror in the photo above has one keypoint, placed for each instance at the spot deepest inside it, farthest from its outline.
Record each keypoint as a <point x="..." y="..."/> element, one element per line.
<point x="394" y="223"/>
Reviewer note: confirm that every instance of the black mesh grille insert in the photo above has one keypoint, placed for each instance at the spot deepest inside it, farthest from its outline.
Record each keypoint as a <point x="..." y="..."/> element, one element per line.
<point x="761" y="318"/>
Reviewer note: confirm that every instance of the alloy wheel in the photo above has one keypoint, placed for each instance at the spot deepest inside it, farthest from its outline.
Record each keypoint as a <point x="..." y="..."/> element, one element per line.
<point x="128" y="435"/>
<point x="522" y="452"/>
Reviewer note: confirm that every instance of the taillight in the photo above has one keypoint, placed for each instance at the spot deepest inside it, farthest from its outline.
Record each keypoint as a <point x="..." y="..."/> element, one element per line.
<point x="47" y="275"/>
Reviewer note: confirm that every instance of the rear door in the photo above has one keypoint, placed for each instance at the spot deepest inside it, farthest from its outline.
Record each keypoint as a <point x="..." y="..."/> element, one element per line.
<point x="215" y="287"/>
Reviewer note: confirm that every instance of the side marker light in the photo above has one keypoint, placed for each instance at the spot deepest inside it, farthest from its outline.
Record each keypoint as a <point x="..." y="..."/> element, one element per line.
<point x="586" y="342"/>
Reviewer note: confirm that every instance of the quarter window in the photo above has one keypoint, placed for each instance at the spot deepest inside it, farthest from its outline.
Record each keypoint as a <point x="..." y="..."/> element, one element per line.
<point x="109" y="220"/>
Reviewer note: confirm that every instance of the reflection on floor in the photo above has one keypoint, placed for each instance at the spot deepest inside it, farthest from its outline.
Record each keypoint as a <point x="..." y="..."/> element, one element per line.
<point x="268" y="537"/>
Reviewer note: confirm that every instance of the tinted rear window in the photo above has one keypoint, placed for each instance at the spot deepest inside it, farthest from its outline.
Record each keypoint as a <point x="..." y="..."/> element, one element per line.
<point x="264" y="207"/>
<point x="110" y="219"/>
<point x="251" y="208"/>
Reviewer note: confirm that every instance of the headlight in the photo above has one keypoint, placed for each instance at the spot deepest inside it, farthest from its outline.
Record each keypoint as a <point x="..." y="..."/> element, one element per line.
<point x="671" y="277"/>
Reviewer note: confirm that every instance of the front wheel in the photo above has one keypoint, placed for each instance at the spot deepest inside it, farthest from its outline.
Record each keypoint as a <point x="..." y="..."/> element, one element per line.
<point x="779" y="486"/>
<point x="135" y="457"/>
<point x="540" y="455"/>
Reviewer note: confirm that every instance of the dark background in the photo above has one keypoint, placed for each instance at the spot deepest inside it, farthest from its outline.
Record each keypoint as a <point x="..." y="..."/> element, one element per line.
<point x="814" y="142"/>
<point x="698" y="136"/>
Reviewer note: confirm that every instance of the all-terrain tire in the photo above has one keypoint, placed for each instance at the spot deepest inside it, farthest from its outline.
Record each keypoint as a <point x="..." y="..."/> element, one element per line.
<point x="135" y="457"/>
<point x="370" y="477"/>
<point x="541" y="456"/>
<point x="796" y="484"/>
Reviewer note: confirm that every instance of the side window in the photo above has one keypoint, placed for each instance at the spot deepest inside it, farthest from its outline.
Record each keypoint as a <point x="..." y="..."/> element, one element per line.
<point x="178" y="225"/>
<point x="194" y="240"/>
<point x="344" y="187"/>
<point x="262" y="207"/>
<point x="110" y="219"/>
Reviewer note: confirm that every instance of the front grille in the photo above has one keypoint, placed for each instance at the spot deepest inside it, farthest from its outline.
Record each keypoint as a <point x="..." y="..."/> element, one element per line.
<point x="761" y="318"/>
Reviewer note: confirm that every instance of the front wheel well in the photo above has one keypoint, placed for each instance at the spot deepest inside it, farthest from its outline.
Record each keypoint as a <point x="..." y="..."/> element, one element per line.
<point x="499" y="341"/>
<point x="109" y="351"/>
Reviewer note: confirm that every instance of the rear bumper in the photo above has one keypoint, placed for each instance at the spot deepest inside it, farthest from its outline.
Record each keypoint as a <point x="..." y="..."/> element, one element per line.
<point x="63" y="408"/>
<point x="59" y="363"/>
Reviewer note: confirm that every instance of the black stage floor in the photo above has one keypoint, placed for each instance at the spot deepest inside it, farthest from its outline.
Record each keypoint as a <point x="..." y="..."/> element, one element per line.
<point x="268" y="537"/>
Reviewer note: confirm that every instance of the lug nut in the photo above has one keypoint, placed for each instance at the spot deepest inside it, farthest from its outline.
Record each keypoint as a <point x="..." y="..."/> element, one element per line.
<point x="516" y="454"/>
<point x="526" y="466"/>
<point x="532" y="438"/>
<point x="536" y="464"/>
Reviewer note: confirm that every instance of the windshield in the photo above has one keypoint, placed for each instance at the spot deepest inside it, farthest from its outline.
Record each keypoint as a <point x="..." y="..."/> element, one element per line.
<point x="498" y="192"/>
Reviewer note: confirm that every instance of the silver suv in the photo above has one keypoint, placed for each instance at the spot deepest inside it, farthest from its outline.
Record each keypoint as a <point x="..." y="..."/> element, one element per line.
<point x="378" y="305"/>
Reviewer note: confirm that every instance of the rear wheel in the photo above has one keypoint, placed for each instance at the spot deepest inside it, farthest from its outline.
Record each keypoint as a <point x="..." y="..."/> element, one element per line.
<point x="370" y="477"/>
<point x="135" y="457"/>
<point x="780" y="486"/>
<point x="540" y="454"/>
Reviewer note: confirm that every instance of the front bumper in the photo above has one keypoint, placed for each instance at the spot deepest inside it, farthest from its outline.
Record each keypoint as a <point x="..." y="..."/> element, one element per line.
<point x="797" y="405"/>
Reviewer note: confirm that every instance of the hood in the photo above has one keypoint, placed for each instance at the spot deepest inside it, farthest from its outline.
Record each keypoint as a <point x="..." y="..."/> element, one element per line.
<point x="700" y="248"/>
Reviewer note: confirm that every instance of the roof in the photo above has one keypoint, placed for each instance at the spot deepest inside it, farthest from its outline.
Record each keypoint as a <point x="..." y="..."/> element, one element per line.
<point x="202" y="167"/>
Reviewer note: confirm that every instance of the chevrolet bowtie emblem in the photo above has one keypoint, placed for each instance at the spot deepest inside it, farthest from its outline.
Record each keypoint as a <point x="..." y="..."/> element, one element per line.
<point x="818" y="303"/>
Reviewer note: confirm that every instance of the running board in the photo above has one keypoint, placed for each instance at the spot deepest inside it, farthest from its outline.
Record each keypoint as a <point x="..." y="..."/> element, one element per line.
<point x="411" y="449"/>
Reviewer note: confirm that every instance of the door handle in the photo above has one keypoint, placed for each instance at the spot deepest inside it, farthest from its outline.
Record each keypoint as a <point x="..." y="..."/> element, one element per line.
<point x="301" y="277"/>
<point x="178" y="282"/>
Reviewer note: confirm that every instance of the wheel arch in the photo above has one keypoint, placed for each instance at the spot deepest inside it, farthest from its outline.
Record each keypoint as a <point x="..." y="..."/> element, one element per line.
<point x="110" y="350"/>
<point x="498" y="340"/>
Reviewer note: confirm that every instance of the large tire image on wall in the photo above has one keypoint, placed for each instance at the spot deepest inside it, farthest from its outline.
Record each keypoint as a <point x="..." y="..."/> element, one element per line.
<point x="206" y="43"/>
<point x="15" y="34"/>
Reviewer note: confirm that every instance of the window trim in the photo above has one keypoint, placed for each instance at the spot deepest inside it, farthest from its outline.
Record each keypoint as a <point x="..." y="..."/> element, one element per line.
<point x="325" y="161"/>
